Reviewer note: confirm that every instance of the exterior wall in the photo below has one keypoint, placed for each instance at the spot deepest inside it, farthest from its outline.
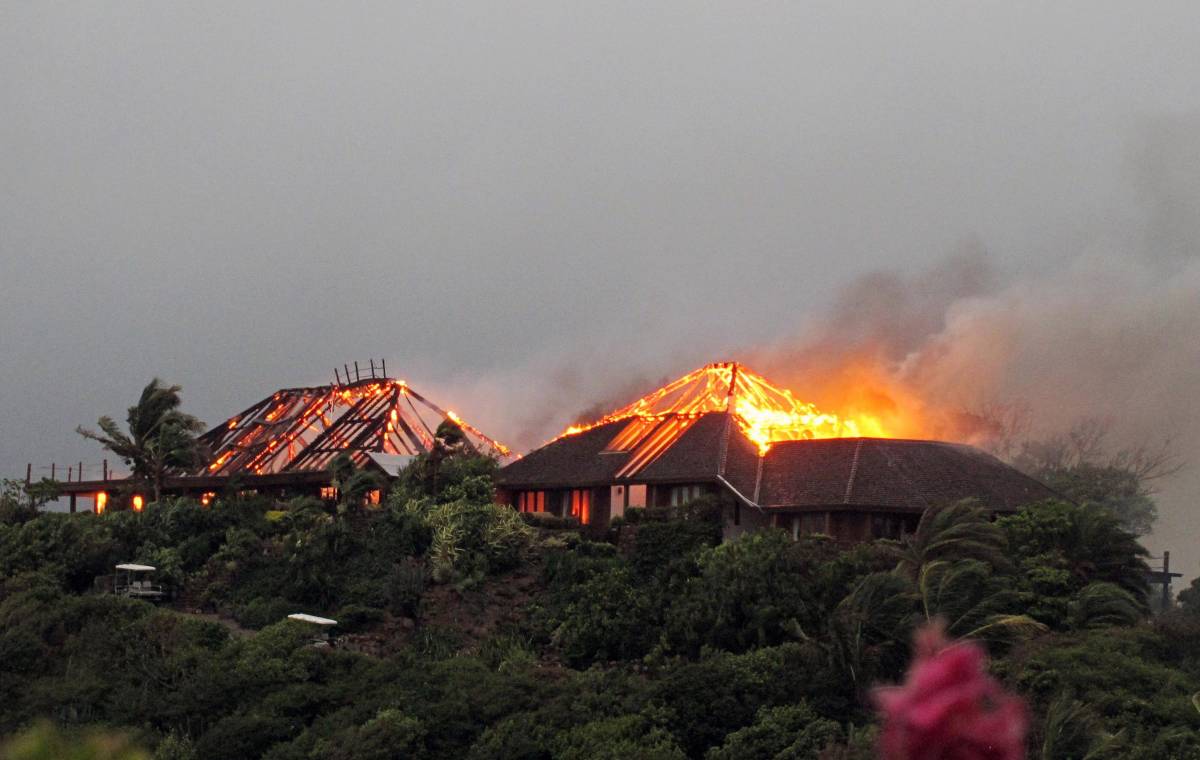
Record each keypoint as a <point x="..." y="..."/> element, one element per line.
<point x="740" y="519"/>
<point x="846" y="527"/>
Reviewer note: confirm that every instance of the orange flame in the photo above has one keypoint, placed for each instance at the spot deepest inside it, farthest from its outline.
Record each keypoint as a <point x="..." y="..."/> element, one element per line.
<point x="764" y="412"/>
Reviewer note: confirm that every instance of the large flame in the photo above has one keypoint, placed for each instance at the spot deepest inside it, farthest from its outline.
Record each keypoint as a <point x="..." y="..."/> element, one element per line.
<point x="764" y="412"/>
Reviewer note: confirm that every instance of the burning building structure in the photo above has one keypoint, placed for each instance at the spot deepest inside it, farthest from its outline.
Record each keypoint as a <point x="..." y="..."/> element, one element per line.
<point x="284" y="444"/>
<point x="767" y="458"/>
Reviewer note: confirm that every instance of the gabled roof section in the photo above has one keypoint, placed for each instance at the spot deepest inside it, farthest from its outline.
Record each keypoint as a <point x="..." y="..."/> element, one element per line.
<point x="304" y="429"/>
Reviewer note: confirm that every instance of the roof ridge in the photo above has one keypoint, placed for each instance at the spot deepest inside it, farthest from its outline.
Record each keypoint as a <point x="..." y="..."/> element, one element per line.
<point x="853" y="471"/>
<point x="758" y="475"/>
<point x="723" y="450"/>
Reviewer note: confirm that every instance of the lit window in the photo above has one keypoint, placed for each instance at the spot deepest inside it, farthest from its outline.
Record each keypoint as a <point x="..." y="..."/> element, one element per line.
<point x="329" y="493"/>
<point x="373" y="497"/>
<point x="101" y="502"/>
<point x="581" y="505"/>
<point x="531" y="501"/>
<point x="207" y="497"/>
<point x="637" y="496"/>
<point x="138" y="503"/>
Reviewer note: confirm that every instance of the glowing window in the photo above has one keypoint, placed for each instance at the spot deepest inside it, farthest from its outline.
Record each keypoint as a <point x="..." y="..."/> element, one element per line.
<point x="329" y="493"/>
<point x="138" y="503"/>
<point x="101" y="502"/>
<point x="531" y="501"/>
<point x="637" y="495"/>
<point x="581" y="505"/>
<point x="373" y="497"/>
<point x="207" y="497"/>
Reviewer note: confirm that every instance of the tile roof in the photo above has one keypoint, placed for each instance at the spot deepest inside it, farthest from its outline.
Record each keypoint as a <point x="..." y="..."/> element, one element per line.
<point x="832" y="472"/>
<point x="891" y="473"/>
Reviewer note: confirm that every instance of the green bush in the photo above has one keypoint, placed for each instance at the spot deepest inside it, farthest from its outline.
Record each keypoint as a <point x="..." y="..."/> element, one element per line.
<point x="610" y="619"/>
<point x="791" y="731"/>
<point x="750" y="592"/>
<point x="549" y="521"/>
<point x="627" y="736"/>
<point x="260" y="612"/>
<point x="355" y="618"/>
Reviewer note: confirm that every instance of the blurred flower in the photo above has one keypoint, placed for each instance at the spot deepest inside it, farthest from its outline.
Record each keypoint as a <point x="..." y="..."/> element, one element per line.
<point x="949" y="708"/>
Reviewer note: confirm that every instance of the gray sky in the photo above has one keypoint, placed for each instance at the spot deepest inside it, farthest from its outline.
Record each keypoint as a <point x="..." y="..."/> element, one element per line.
<point x="531" y="207"/>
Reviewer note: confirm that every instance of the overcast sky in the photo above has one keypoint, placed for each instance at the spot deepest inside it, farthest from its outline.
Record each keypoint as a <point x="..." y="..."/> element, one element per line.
<point x="548" y="200"/>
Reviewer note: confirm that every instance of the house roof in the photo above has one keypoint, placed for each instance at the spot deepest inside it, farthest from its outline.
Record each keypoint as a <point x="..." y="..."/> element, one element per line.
<point x="832" y="473"/>
<point x="890" y="473"/>
<point x="304" y="429"/>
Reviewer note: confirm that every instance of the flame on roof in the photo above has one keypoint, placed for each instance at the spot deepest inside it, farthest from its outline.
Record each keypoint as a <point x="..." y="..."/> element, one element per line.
<point x="303" y="429"/>
<point x="764" y="412"/>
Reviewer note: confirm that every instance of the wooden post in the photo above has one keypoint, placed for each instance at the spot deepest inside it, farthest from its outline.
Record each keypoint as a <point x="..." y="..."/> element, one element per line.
<point x="52" y="466"/>
<point x="357" y="376"/>
<point x="69" y="468"/>
<point x="337" y="376"/>
<point x="1166" y="580"/>
<point x="28" y="474"/>
<point x="80" y="471"/>
<point x="383" y="363"/>
<point x="104" y="471"/>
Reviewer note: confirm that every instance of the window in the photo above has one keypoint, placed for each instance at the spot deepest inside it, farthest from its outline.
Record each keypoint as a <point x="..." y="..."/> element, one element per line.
<point x="807" y="524"/>
<point x="812" y="522"/>
<point x="891" y="526"/>
<point x="581" y="505"/>
<point x="101" y="502"/>
<point x="637" y="496"/>
<point x="374" y="496"/>
<point x="329" y="493"/>
<point x="681" y="495"/>
<point x="531" y="501"/>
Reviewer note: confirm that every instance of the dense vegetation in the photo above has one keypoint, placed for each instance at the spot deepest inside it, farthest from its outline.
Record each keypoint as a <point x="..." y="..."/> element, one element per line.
<point x="469" y="632"/>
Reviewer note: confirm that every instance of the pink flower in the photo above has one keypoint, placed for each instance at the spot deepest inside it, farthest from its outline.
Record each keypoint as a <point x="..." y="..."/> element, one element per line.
<point x="949" y="708"/>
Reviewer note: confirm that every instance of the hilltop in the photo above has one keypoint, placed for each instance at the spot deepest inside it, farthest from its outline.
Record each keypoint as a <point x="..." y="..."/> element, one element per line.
<point x="468" y="630"/>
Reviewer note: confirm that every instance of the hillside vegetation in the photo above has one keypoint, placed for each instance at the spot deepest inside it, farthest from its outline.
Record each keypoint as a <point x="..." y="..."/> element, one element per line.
<point x="466" y="631"/>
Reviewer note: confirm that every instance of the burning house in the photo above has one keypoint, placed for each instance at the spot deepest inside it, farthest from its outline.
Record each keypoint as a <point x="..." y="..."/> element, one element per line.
<point x="284" y="444"/>
<point x="767" y="458"/>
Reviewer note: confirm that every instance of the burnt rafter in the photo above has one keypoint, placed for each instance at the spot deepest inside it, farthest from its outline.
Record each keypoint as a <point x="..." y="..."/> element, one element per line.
<point x="304" y="429"/>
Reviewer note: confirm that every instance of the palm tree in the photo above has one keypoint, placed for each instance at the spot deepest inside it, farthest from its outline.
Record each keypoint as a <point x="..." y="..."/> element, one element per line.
<point x="1072" y="730"/>
<point x="1100" y="549"/>
<point x="160" y="436"/>
<point x="971" y="601"/>
<point x="956" y="531"/>
<point x="1100" y="604"/>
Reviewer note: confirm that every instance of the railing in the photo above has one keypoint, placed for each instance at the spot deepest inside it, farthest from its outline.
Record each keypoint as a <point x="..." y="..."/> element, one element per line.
<point x="74" y="473"/>
<point x="371" y="371"/>
<point x="139" y="590"/>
